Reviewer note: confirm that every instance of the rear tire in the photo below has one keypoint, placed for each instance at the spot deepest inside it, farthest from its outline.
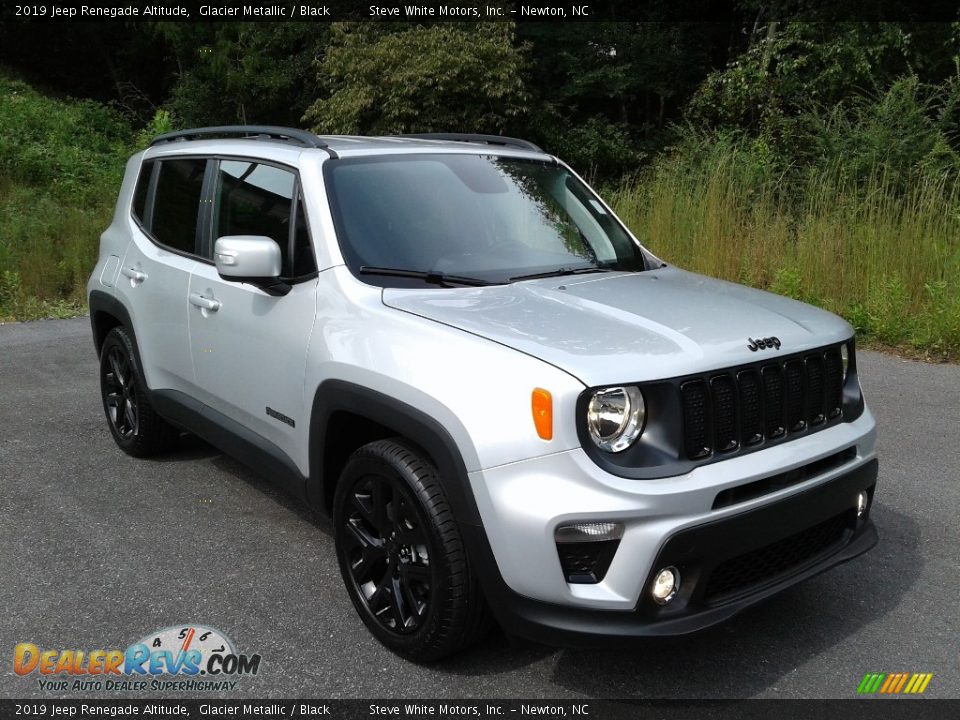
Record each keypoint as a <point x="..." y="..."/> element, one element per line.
<point x="401" y="554"/>
<point x="134" y="424"/>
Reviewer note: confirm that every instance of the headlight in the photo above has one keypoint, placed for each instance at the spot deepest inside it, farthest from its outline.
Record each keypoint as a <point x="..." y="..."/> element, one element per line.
<point x="615" y="417"/>
<point x="845" y="359"/>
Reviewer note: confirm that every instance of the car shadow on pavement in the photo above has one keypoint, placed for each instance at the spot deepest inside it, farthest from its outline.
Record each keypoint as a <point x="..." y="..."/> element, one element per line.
<point x="188" y="447"/>
<point x="754" y="651"/>
<point x="494" y="655"/>
<point x="228" y="465"/>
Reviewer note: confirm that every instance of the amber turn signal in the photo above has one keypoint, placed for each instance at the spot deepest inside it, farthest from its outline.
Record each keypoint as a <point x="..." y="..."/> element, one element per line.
<point x="541" y="403"/>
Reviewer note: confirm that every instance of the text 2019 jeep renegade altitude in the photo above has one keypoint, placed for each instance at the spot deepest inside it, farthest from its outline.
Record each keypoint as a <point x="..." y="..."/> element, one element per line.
<point x="509" y="407"/>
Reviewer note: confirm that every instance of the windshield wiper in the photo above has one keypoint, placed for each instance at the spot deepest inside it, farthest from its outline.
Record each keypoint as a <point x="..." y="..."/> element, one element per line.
<point x="431" y="276"/>
<point x="561" y="271"/>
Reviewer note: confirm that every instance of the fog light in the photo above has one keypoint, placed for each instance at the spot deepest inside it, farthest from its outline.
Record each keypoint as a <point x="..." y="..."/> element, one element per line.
<point x="665" y="585"/>
<point x="862" y="500"/>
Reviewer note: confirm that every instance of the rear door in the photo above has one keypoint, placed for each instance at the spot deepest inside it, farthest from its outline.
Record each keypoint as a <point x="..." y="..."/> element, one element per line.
<point x="250" y="353"/>
<point x="155" y="272"/>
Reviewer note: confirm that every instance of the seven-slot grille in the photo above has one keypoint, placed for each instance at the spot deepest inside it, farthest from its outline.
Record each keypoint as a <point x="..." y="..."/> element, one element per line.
<point x="740" y="407"/>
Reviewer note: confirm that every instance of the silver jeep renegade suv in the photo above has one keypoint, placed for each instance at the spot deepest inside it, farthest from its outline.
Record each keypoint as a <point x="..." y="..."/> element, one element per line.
<point x="512" y="410"/>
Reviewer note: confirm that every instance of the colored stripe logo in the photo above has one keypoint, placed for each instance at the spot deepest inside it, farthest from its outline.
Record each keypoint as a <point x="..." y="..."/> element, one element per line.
<point x="894" y="683"/>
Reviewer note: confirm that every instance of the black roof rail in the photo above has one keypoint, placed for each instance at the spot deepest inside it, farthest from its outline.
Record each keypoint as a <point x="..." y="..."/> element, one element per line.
<point x="477" y="138"/>
<point x="253" y="132"/>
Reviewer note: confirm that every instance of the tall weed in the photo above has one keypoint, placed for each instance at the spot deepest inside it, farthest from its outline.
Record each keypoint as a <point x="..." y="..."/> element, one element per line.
<point x="883" y="252"/>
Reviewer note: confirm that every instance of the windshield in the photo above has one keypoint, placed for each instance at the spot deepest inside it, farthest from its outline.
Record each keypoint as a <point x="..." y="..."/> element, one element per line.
<point x="491" y="218"/>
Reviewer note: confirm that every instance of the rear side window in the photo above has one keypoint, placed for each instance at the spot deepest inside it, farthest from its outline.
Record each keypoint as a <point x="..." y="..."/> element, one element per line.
<point x="177" y="203"/>
<point x="141" y="192"/>
<point x="256" y="199"/>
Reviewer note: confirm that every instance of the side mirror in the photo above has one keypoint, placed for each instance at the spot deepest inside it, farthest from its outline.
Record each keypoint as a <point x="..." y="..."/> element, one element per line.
<point x="254" y="259"/>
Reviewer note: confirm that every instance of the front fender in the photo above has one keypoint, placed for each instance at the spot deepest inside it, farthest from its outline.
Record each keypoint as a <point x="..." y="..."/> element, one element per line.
<point x="416" y="426"/>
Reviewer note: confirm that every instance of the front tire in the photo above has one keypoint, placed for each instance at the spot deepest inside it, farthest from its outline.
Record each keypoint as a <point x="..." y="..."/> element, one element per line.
<point x="135" y="426"/>
<point x="401" y="554"/>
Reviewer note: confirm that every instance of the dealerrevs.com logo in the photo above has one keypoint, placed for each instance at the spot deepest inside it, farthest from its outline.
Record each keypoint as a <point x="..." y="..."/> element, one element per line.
<point x="187" y="657"/>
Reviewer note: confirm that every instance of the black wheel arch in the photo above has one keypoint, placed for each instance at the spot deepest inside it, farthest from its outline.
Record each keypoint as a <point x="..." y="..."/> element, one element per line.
<point x="341" y="407"/>
<point x="106" y="313"/>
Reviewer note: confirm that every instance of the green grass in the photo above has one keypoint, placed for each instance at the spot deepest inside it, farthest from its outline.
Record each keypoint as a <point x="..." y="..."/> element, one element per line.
<point x="61" y="163"/>
<point x="885" y="257"/>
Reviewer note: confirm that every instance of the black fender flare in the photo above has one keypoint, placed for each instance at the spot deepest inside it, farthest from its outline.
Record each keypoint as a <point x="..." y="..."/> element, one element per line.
<point x="102" y="302"/>
<point x="433" y="438"/>
<point x="334" y="396"/>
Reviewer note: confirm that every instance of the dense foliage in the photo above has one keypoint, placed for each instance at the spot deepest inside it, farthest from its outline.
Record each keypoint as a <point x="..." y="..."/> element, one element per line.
<point x="60" y="166"/>
<point x="243" y="73"/>
<point x="819" y="159"/>
<point x="383" y="81"/>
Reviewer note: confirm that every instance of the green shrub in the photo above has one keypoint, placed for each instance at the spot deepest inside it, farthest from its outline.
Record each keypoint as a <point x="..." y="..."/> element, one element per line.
<point x="71" y="148"/>
<point x="61" y="163"/>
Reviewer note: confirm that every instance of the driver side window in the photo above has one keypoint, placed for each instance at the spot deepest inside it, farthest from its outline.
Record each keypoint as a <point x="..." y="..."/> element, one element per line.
<point x="256" y="199"/>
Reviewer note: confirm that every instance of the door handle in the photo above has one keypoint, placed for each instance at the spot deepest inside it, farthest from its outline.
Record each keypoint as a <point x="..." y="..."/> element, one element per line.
<point x="204" y="302"/>
<point x="134" y="274"/>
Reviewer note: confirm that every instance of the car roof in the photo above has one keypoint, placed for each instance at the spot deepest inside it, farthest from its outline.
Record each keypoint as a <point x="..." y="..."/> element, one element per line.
<point x="273" y="144"/>
<point x="345" y="145"/>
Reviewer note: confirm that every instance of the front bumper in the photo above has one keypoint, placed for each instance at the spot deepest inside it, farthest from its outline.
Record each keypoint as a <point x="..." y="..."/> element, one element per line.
<point x="809" y="533"/>
<point x="706" y="522"/>
<point x="521" y="505"/>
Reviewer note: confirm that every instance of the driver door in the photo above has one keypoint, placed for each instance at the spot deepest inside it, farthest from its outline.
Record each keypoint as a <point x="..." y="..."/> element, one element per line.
<point x="249" y="348"/>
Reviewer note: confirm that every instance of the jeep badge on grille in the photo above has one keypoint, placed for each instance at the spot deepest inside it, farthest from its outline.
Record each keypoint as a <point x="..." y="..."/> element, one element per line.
<point x="763" y="343"/>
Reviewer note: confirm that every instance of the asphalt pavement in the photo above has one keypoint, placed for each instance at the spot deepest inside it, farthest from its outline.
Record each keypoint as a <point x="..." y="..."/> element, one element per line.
<point x="98" y="549"/>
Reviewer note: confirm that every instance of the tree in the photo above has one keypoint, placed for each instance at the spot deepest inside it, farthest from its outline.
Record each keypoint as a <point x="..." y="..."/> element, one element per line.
<point x="111" y="61"/>
<point x="605" y="93"/>
<point x="384" y="79"/>
<point x="793" y="66"/>
<point x="243" y="72"/>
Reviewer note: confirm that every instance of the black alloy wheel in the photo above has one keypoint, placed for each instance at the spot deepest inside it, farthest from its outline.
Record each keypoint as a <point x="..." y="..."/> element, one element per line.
<point x="388" y="553"/>
<point x="137" y="429"/>
<point x="121" y="393"/>
<point x="401" y="554"/>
